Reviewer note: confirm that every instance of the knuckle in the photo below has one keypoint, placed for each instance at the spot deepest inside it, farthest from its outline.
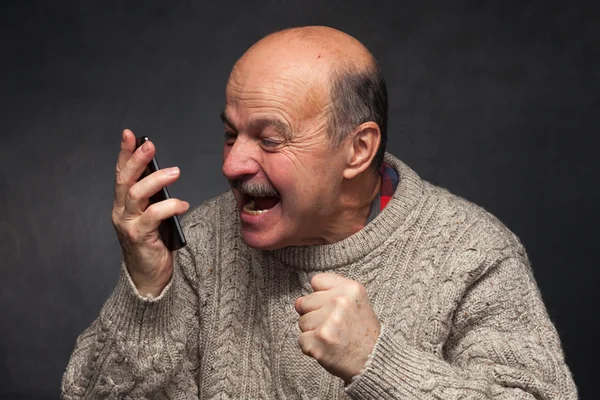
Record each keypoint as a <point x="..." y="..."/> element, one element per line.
<point x="134" y="193"/>
<point x="119" y="180"/>
<point x="151" y="213"/>
<point x="138" y="157"/>
<point x="355" y="289"/>
<point x="302" y="323"/>
<point x="325" y="335"/>
<point x="310" y="348"/>
<point x="302" y="303"/>
<point x="317" y="354"/>
<point x="303" y="345"/>
<point x="336" y="319"/>
<point x="315" y="280"/>
<point x="341" y="301"/>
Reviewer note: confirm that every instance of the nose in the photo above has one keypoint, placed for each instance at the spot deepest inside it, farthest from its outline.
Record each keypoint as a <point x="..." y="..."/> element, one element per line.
<point x="240" y="159"/>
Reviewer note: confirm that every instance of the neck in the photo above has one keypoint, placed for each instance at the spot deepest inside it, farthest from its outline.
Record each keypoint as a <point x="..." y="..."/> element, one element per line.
<point x="328" y="257"/>
<point x="354" y="206"/>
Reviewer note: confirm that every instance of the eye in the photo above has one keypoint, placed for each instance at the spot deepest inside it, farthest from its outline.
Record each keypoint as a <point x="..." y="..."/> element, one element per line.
<point x="269" y="143"/>
<point x="230" y="138"/>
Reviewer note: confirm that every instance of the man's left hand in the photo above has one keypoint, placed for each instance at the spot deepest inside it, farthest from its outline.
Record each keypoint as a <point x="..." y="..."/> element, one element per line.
<point x="339" y="327"/>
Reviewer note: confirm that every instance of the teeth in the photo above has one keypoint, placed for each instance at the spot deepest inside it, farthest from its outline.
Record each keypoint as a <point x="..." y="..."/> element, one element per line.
<point x="249" y="209"/>
<point x="257" y="212"/>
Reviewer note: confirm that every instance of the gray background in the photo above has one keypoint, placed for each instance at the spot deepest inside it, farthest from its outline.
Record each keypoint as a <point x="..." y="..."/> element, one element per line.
<point x="497" y="102"/>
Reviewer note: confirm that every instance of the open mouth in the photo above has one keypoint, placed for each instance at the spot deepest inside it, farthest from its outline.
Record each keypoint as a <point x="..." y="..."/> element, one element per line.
<point x="257" y="205"/>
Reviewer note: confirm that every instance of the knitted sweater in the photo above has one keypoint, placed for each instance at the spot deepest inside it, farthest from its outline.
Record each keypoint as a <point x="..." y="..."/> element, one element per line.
<point x="461" y="315"/>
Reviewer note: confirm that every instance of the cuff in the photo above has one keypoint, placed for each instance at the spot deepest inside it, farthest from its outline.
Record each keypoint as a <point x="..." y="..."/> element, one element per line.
<point x="134" y="317"/>
<point x="395" y="370"/>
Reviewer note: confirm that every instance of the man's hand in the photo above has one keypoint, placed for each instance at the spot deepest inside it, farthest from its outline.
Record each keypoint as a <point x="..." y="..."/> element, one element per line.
<point x="339" y="327"/>
<point x="149" y="262"/>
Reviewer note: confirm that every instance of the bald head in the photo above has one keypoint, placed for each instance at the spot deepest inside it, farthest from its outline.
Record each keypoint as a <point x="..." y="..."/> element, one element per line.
<point x="334" y="74"/>
<point x="304" y="118"/>
<point x="319" y="47"/>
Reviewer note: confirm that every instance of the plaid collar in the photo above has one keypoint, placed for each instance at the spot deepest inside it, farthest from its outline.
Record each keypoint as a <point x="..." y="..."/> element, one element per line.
<point x="389" y="183"/>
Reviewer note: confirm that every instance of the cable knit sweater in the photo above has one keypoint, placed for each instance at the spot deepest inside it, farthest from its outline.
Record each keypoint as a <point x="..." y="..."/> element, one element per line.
<point x="461" y="315"/>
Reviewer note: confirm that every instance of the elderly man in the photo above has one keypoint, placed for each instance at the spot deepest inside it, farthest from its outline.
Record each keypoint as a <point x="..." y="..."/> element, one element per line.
<point x="331" y="270"/>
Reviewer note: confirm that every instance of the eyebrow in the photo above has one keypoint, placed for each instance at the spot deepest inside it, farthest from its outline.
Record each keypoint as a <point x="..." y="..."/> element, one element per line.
<point x="262" y="123"/>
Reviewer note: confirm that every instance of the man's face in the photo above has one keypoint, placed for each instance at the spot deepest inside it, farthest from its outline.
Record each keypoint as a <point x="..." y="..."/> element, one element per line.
<point x="284" y="174"/>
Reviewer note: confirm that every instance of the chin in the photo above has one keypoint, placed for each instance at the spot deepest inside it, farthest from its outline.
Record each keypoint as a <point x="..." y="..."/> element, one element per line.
<point x="261" y="240"/>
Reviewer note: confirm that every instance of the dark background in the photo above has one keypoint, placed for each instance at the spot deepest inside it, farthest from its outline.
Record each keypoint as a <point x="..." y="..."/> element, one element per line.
<point x="498" y="103"/>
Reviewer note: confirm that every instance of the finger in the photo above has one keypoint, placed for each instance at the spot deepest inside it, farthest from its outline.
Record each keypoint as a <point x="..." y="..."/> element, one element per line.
<point x="326" y="281"/>
<point x="313" y="301"/>
<point x="130" y="172"/>
<point x="308" y="344"/>
<point x="127" y="147"/>
<point x="310" y="321"/>
<point x="137" y="197"/>
<point x="152" y="217"/>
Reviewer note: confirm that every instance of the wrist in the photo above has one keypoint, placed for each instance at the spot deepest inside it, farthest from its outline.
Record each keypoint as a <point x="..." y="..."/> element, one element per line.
<point x="151" y="288"/>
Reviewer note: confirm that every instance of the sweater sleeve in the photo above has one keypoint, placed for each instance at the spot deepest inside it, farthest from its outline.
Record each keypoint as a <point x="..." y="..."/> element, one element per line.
<point x="140" y="347"/>
<point x="502" y="345"/>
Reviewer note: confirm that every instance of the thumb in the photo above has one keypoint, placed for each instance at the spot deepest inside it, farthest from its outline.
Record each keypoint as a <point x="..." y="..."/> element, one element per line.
<point x="326" y="281"/>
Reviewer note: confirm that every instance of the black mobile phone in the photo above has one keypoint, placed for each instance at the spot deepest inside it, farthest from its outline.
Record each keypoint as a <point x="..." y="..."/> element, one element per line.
<point x="170" y="229"/>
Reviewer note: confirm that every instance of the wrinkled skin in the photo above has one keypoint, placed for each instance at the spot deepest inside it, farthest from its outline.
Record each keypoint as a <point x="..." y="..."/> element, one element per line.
<point x="339" y="327"/>
<point x="149" y="262"/>
<point x="276" y="122"/>
<point x="297" y="162"/>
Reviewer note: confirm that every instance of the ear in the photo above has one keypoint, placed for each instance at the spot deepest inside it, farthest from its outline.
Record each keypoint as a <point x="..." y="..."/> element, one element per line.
<point x="362" y="150"/>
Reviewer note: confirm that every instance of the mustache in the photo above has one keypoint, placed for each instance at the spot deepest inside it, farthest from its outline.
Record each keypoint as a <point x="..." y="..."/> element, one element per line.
<point x="255" y="188"/>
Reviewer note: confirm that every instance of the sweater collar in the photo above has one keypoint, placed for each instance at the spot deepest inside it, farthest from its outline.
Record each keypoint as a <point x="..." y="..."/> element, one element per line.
<point x="363" y="242"/>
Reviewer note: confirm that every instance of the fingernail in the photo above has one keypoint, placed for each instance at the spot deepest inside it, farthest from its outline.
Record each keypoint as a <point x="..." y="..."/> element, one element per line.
<point x="145" y="148"/>
<point x="172" y="171"/>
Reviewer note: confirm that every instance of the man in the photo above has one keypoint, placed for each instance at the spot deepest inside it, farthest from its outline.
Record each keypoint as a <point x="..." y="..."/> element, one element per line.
<point x="331" y="270"/>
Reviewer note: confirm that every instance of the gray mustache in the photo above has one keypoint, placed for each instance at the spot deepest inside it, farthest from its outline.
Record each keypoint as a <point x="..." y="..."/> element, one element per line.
<point x="254" y="188"/>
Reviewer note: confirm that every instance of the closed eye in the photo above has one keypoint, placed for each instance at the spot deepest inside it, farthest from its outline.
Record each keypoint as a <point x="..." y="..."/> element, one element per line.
<point x="269" y="143"/>
<point x="230" y="138"/>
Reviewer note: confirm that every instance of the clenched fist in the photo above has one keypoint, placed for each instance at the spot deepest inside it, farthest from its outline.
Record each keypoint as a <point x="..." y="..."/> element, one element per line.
<point x="339" y="327"/>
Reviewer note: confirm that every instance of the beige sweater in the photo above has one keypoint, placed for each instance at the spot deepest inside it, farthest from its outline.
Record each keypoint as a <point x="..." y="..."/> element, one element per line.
<point x="461" y="315"/>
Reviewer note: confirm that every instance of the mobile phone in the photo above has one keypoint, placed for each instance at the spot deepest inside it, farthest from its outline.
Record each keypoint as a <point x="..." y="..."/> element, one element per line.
<point x="169" y="229"/>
